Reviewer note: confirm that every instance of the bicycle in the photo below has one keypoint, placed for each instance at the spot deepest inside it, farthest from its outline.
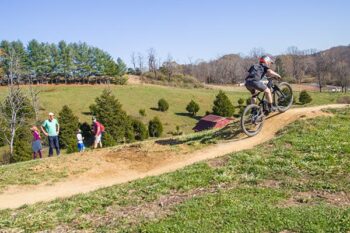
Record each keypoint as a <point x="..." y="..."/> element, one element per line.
<point x="253" y="116"/>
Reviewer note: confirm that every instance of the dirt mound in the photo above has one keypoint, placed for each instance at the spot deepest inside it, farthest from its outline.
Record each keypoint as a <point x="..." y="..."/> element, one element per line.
<point x="119" y="166"/>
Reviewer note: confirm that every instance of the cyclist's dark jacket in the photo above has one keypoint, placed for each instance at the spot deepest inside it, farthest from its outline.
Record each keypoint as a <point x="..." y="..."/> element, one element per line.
<point x="257" y="72"/>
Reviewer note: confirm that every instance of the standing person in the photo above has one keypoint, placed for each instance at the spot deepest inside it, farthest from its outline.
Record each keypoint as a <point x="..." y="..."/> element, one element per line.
<point x="80" y="138"/>
<point x="51" y="129"/>
<point x="36" y="143"/>
<point x="98" y="128"/>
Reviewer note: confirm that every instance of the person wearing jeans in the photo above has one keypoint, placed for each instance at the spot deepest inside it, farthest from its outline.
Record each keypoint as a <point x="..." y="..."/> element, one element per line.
<point x="51" y="129"/>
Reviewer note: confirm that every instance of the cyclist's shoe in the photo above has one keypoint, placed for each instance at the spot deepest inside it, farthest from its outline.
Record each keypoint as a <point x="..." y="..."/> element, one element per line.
<point x="272" y="108"/>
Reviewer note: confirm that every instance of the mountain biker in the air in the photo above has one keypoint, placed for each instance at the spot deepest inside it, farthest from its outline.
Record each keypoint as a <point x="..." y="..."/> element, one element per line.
<point x="253" y="81"/>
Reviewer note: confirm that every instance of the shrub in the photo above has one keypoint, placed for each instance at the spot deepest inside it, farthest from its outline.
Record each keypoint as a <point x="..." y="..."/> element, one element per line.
<point x="344" y="100"/>
<point x="304" y="97"/>
<point x="142" y="112"/>
<point x="140" y="130"/>
<point x="248" y="101"/>
<point x="223" y="106"/>
<point x="69" y="125"/>
<point x="192" y="108"/>
<point x="176" y="132"/>
<point x="155" y="127"/>
<point x="240" y="101"/>
<point x="163" y="105"/>
<point x="120" y="80"/>
<point x="109" y="112"/>
<point x="22" y="145"/>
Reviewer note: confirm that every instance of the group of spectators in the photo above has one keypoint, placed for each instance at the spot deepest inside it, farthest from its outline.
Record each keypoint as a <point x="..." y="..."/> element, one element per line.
<point x="51" y="129"/>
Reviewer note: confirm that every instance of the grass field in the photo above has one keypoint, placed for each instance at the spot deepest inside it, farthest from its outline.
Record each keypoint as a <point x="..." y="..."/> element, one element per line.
<point x="297" y="182"/>
<point x="136" y="97"/>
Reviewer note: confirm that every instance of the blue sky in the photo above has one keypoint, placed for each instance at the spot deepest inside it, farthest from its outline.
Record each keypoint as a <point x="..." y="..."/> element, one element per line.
<point x="196" y="29"/>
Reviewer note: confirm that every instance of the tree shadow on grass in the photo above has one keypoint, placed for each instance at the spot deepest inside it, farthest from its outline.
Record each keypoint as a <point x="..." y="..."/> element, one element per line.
<point x="154" y="109"/>
<point x="87" y="113"/>
<point x="188" y="115"/>
<point x="229" y="132"/>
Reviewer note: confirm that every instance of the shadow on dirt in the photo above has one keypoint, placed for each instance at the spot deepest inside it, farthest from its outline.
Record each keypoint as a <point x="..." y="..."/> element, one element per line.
<point x="229" y="132"/>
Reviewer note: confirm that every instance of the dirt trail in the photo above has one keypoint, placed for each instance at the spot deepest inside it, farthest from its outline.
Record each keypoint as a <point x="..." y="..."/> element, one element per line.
<point x="124" y="169"/>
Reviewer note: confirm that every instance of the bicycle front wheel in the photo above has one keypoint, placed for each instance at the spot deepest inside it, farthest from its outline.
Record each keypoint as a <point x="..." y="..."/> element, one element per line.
<point x="283" y="96"/>
<point x="252" y="120"/>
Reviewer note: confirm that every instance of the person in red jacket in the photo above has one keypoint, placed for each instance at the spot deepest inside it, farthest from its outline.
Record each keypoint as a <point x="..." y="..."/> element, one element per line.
<point x="98" y="129"/>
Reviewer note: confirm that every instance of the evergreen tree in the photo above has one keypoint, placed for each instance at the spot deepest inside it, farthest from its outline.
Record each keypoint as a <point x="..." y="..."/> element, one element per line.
<point x="121" y="67"/>
<point x="223" y="106"/>
<point x="17" y="49"/>
<point x="240" y="101"/>
<point x="109" y="112"/>
<point x="22" y="145"/>
<point x="163" y="105"/>
<point x="69" y="124"/>
<point x="66" y="66"/>
<point x="39" y="59"/>
<point x="155" y="127"/>
<point x="140" y="130"/>
<point x="192" y="108"/>
<point x="304" y="97"/>
<point x="86" y="132"/>
<point x="54" y="61"/>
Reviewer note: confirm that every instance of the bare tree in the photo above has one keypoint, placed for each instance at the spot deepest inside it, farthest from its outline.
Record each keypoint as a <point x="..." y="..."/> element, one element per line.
<point x="322" y="69"/>
<point x="342" y="72"/>
<point x="152" y="61"/>
<point x="34" y="93"/>
<point x="13" y="112"/>
<point x="133" y="60"/>
<point x="140" y="62"/>
<point x="298" y="64"/>
<point x="256" y="52"/>
<point x="169" y="66"/>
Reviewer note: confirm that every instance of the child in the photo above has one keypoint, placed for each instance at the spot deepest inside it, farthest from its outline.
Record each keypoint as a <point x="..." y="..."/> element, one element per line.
<point x="80" y="138"/>
<point x="36" y="143"/>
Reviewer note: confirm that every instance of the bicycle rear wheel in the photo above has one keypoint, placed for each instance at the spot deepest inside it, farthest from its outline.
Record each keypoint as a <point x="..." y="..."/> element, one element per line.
<point x="283" y="96"/>
<point x="252" y="120"/>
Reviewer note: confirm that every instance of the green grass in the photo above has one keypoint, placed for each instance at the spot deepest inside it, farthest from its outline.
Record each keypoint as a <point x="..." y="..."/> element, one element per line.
<point x="311" y="156"/>
<point x="136" y="97"/>
<point x="133" y="98"/>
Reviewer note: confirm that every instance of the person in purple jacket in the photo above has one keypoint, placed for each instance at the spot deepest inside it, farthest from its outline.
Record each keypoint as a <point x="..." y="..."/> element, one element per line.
<point x="36" y="143"/>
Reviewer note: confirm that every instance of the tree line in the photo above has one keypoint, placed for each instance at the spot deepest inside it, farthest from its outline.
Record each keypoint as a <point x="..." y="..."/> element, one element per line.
<point x="64" y="62"/>
<point x="329" y="67"/>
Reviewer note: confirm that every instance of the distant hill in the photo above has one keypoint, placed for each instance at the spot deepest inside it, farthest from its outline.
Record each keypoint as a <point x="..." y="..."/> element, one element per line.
<point x="295" y="65"/>
<point x="340" y="52"/>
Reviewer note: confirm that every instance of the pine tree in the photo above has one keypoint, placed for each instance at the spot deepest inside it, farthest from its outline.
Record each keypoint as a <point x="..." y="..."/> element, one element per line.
<point x="192" y="108"/>
<point x="140" y="130"/>
<point x="69" y="124"/>
<point x="304" y="97"/>
<point x="155" y="127"/>
<point x="223" y="106"/>
<point x="163" y="105"/>
<point x="117" y="123"/>
<point x="22" y="145"/>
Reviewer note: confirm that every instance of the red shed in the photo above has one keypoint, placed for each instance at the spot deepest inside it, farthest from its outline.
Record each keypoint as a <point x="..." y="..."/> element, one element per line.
<point x="212" y="122"/>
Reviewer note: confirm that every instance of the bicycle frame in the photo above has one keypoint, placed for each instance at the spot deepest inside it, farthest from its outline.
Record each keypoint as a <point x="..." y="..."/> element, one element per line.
<point x="273" y="88"/>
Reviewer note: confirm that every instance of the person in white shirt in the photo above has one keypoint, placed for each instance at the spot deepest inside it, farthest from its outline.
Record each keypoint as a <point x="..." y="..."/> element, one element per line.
<point x="80" y="138"/>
